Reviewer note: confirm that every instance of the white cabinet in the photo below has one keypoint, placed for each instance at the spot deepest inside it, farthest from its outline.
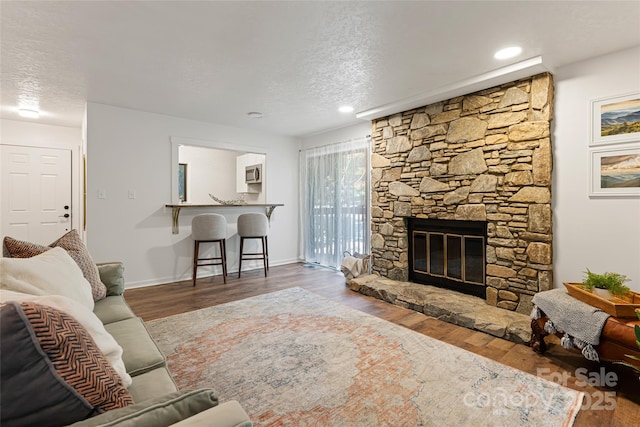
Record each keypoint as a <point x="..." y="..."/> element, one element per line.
<point x="242" y="162"/>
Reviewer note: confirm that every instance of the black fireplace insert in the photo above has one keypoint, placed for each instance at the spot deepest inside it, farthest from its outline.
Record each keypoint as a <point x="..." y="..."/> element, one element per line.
<point x="448" y="254"/>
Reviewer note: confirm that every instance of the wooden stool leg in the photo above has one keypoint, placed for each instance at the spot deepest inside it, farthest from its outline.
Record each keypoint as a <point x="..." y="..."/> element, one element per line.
<point x="266" y="248"/>
<point x="240" y="257"/>
<point x="196" y="247"/>
<point x="223" y="256"/>
<point x="264" y="254"/>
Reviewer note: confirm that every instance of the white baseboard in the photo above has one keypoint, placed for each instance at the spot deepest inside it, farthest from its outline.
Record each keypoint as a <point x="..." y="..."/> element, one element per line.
<point x="164" y="280"/>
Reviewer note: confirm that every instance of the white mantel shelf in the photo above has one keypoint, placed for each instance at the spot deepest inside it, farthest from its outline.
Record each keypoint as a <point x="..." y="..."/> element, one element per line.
<point x="175" y="209"/>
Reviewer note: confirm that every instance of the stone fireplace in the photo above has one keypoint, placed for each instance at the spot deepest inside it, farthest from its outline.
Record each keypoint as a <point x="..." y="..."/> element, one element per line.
<point x="483" y="157"/>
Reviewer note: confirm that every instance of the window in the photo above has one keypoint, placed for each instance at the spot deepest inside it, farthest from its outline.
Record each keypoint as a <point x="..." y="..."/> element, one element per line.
<point x="335" y="201"/>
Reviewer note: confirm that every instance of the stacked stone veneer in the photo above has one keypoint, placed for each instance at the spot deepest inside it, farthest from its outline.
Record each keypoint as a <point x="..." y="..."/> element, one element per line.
<point x="484" y="156"/>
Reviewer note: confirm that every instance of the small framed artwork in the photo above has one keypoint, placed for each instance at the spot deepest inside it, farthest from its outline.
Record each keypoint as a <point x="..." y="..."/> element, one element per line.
<point x="615" y="120"/>
<point x="615" y="171"/>
<point x="182" y="182"/>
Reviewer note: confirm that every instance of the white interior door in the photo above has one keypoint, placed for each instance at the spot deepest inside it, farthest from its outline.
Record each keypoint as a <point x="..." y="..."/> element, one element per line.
<point x="36" y="193"/>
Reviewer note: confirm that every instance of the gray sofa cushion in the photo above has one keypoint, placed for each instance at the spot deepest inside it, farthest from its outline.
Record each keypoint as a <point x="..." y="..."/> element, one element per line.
<point x="160" y="412"/>
<point x="112" y="309"/>
<point x="228" y="414"/>
<point x="152" y="384"/>
<point x="112" y="275"/>
<point x="140" y="352"/>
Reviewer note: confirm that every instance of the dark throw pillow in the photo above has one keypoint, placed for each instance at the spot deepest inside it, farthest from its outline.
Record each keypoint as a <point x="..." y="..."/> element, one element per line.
<point x="51" y="371"/>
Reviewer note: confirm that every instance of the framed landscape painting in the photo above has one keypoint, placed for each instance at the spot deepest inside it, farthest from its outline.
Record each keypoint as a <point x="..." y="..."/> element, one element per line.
<point x="615" y="119"/>
<point x="615" y="172"/>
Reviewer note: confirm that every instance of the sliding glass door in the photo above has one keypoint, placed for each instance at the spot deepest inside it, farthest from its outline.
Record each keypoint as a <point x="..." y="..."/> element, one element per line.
<point x="335" y="201"/>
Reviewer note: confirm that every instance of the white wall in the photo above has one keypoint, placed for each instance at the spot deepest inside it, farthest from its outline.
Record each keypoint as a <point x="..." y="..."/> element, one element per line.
<point x="30" y="134"/>
<point x="131" y="150"/>
<point x="209" y="171"/>
<point x="337" y="135"/>
<point x="601" y="234"/>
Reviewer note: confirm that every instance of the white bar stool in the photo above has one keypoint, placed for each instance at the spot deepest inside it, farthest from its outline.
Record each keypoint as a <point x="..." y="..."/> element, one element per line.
<point x="209" y="228"/>
<point x="253" y="226"/>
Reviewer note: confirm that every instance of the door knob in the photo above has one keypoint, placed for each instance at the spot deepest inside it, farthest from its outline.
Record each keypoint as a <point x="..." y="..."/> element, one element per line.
<point x="65" y="216"/>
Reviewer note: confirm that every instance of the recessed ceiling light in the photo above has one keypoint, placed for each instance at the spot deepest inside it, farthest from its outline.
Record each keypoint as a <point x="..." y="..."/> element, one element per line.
<point x="346" y="109"/>
<point x="28" y="112"/>
<point x="255" y="115"/>
<point x="508" y="52"/>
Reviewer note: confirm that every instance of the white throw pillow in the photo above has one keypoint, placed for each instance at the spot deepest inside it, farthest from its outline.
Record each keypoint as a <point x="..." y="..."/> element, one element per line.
<point x="52" y="272"/>
<point x="104" y="340"/>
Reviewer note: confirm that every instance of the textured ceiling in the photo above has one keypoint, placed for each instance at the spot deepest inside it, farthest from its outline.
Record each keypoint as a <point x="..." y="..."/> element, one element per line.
<point x="296" y="62"/>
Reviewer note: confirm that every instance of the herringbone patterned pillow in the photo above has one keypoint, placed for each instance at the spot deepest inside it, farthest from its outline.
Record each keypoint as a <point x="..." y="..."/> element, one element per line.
<point x="76" y="249"/>
<point x="76" y="357"/>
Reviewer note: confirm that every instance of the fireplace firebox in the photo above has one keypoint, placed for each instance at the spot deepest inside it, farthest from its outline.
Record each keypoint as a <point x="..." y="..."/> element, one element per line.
<point x="448" y="254"/>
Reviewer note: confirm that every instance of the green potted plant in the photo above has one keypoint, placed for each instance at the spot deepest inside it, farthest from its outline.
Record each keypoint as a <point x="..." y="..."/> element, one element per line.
<point x="611" y="283"/>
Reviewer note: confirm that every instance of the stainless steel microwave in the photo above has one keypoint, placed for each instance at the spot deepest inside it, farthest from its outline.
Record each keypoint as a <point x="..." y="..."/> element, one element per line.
<point x="253" y="174"/>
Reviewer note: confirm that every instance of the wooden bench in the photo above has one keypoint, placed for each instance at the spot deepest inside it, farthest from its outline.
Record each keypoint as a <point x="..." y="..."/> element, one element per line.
<point x="617" y="340"/>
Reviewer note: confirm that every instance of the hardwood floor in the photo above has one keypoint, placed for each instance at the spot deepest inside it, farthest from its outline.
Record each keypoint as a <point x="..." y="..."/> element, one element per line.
<point x="618" y="405"/>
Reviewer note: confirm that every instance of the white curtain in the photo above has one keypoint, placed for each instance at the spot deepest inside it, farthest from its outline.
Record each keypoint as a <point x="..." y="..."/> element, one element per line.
<point x="334" y="187"/>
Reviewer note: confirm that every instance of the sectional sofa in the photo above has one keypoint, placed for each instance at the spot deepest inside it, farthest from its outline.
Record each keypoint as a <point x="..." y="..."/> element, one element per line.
<point x="43" y="342"/>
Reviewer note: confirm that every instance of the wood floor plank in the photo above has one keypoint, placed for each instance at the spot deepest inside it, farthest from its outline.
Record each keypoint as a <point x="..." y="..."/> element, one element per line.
<point x="165" y="300"/>
<point x="501" y="344"/>
<point x="479" y="339"/>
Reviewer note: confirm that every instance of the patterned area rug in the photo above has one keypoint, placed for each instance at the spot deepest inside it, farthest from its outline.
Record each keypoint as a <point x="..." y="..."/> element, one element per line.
<point x="293" y="358"/>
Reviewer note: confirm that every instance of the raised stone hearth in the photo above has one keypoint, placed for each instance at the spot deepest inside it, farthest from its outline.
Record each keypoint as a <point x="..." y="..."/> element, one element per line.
<point x="486" y="156"/>
<point x="447" y="305"/>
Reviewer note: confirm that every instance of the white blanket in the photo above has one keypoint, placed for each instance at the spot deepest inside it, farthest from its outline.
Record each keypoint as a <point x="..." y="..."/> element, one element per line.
<point x="52" y="272"/>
